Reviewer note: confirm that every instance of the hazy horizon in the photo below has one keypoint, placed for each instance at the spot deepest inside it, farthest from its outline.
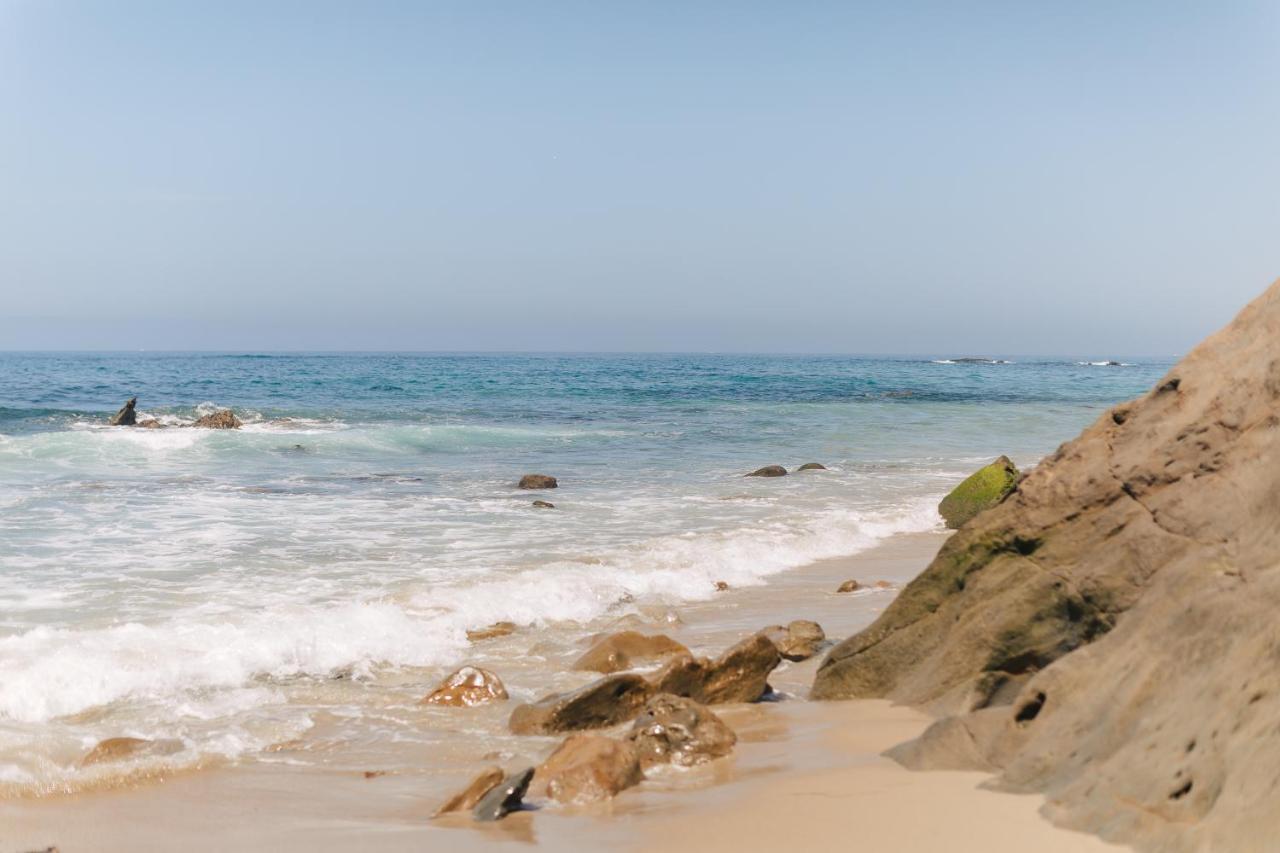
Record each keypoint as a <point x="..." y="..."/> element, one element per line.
<point x="823" y="178"/>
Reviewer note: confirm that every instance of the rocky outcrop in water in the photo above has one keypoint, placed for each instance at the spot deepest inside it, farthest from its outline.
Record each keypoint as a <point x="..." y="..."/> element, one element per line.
<point x="127" y="416"/>
<point x="222" y="419"/>
<point x="768" y="471"/>
<point x="982" y="490"/>
<point x="1107" y="635"/>
<point x="538" y="481"/>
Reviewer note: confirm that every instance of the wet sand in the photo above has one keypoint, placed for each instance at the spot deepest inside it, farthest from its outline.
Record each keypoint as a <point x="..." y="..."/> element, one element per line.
<point x="803" y="772"/>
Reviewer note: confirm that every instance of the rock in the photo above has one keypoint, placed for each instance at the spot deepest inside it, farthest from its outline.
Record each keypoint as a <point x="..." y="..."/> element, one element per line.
<point x="544" y="505"/>
<point x="620" y="651"/>
<point x="504" y="798"/>
<point x="883" y="585"/>
<point x="150" y="423"/>
<point x="587" y="768"/>
<point x="799" y="641"/>
<point x="1107" y="635"/>
<point x="497" y="629"/>
<point x="985" y="488"/>
<point x="739" y="675"/>
<point x="126" y="416"/>
<point x="676" y="730"/>
<point x="469" y="797"/>
<point x="849" y="586"/>
<point x="721" y="586"/>
<point x="223" y="419"/>
<point x="120" y="748"/>
<point x="538" y="481"/>
<point x="769" y="471"/>
<point x="466" y="688"/>
<point x="606" y="702"/>
<point x="812" y="466"/>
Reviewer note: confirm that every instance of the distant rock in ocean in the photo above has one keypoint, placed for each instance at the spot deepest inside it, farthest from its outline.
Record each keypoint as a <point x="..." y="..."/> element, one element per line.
<point x="538" y="481"/>
<point x="222" y="419"/>
<point x="769" y="471"/>
<point x="1108" y="634"/>
<point x="127" y="416"/>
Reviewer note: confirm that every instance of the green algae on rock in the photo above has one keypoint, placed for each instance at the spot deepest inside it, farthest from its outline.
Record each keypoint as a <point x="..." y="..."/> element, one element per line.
<point x="983" y="489"/>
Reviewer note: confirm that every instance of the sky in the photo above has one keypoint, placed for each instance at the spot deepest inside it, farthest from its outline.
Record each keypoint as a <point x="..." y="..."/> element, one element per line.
<point x="1088" y="178"/>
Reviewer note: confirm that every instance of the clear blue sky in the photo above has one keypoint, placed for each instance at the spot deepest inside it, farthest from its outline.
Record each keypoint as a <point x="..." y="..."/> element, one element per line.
<point x="1089" y="178"/>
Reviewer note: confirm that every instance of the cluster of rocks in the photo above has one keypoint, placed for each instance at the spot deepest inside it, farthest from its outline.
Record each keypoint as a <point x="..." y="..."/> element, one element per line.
<point x="128" y="416"/>
<point x="779" y="471"/>
<point x="669" y="720"/>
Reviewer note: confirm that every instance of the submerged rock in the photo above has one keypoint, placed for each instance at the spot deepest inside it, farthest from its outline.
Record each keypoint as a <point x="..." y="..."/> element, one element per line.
<point x="544" y="505"/>
<point x="538" y="481"/>
<point x="983" y="489"/>
<point x="121" y="748"/>
<point x="849" y="586"/>
<point x="467" y="687"/>
<point x="676" y="730"/>
<point x="607" y="702"/>
<point x="722" y="586"/>
<point x="469" y="797"/>
<point x="497" y="629"/>
<point x="587" y="768"/>
<point x="620" y="651"/>
<point x="150" y="423"/>
<point x="127" y="416"/>
<point x="769" y="471"/>
<point x="812" y="466"/>
<point x="504" y="798"/>
<point x="1108" y="635"/>
<point x="222" y="419"/>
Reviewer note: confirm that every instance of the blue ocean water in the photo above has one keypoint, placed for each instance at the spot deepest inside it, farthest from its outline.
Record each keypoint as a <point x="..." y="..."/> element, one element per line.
<point x="366" y="514"/>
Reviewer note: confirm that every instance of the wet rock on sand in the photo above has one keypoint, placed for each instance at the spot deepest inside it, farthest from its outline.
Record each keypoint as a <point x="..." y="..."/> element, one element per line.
<point x="504" y="798"/>
<point x="222" y="419"/>
<point x="607" y="702"/>
<point x="800" y="640"/>
<point x="676" y="730"/>
<point x="622" y="650"/>
<point x="587" y="768"/>
<point x="127" y="416"/>
<point x="538" y="481"/>
<point x="467" y="687"/>
<point x="739" y="675"/>
<point x="469" y="797"/>
<point x="849" y="586"/>
<point x="721" y="586"/>
<point x="768" y="471"/>
<point x="983" y="489"/>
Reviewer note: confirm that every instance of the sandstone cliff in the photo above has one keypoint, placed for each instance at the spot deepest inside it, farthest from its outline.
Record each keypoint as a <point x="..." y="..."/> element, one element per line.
<point x="1110" y="633"/>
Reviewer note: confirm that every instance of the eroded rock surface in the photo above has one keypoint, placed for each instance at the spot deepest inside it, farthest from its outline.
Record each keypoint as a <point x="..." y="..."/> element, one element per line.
<point x="467" y="687"/>
<point x="1107" y="635"/>
<point x="223" y="419"/>
<point x="676" y="730"/>
<point x="587" y="768"/>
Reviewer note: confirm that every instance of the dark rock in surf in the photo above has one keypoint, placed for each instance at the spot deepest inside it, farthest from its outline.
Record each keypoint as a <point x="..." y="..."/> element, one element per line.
<point x="768" y="471"/>
<point x="223" y="419"/>
<point x="538" y="481"/>
<point x="127" y="416"/>
<point x="739" y="675"/>
<point x="544" y="505"/>
<point x="812" y="466"/>
<point x="469" y="797"/>
<point x="607" y="702"/>
<point x="849" y="586"/>
<point x="505" y="798"/>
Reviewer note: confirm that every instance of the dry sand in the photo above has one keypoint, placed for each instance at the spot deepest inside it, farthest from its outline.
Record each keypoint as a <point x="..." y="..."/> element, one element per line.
<point x="804" y="774"/>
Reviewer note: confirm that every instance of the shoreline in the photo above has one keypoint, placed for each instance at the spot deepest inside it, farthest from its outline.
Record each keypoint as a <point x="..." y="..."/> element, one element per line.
<point x="791" y="746"/>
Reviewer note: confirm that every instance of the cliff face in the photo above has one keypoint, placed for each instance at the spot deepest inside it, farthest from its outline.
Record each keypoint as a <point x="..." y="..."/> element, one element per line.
<point x="1110" y="633"/>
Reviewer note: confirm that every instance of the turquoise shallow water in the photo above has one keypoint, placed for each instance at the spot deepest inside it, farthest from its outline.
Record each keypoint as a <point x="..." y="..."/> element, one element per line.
<point x="366" y="515"/>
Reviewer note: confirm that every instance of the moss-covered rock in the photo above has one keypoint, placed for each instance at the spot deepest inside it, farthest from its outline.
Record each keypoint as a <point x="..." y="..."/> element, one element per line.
<point x="983" y="489"/>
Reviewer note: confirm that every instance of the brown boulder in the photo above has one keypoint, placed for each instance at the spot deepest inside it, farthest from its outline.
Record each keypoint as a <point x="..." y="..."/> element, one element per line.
<point x="544" y="505"/>
<point x="812" y="466"/>
<point x="223" y="419"/>
<point x="470" y="796"/>
<point x="127" y="416"/>
<point x="676" y="730"/>
<point x="467" y="687"/>
<point x="768" y="471"/>
<point x="739" y="675"/>
<point x="798" y="641"/>
<point x="538" y="481"/>
<point x="587" y="768"/>
<point x="849" y="586"/>
<point x="722" y="586"/>
<point x="620" y="651"/>
<point x="606" y="702"/>
<point x="497" y="629"/>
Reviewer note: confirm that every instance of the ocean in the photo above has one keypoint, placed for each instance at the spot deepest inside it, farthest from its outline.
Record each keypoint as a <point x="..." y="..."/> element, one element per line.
<point x="223" y="591"/>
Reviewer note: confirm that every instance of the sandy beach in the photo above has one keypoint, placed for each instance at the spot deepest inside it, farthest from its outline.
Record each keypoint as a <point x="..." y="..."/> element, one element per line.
<point x="797" y="767"/>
